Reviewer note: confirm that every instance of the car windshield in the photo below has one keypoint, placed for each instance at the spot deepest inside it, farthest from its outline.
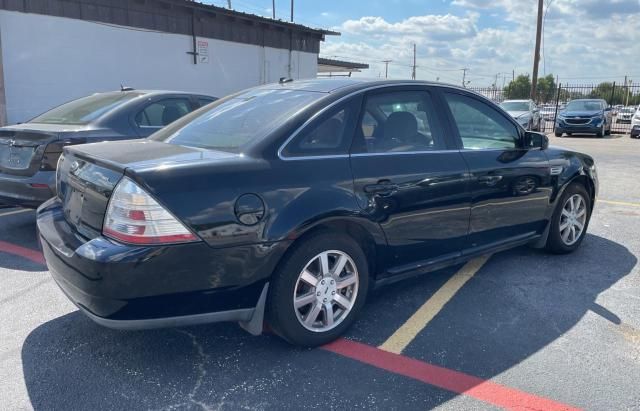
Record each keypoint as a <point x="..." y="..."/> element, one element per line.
<point x="627" y="110"/>
<point x="232" y="123"/>
<point x="515" y="105"/>
<point x="584" y="105"/>
<point x="86" y="109"/>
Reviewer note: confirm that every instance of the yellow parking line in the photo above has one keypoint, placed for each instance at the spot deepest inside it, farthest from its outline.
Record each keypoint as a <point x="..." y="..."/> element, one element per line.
<point x="22" y="210"/>
<point x="624" y="203"/>
<point x="418" y="321"/>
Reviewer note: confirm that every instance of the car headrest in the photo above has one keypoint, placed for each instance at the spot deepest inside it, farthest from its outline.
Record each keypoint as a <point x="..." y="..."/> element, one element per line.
<point x="400" y="125"/>
<point x="170" y="114"/>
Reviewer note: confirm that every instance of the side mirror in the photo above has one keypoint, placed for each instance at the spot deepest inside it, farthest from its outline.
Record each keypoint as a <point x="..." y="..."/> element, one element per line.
<point x="533" y="139"/>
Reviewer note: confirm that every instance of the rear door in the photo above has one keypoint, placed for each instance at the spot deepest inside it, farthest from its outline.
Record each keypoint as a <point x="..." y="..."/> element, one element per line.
<point x="510" y="183"/>
<point x="409" y="177"/>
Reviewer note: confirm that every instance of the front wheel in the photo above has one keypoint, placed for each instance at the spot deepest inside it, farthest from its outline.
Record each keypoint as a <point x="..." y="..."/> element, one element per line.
<point x="318" y="291"/>
<point x="558" y="134"/>
<point x="602" y="131"/>
<point x="570" y="220"/>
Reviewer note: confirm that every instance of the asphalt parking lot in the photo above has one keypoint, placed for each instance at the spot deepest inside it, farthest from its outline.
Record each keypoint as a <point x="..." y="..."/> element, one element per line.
<point x="521" y="330"/>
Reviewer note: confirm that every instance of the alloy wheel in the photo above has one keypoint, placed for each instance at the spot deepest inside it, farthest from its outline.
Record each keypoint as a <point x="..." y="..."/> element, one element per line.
<point x="326" y="290"/>
<point x="573" y="219"/>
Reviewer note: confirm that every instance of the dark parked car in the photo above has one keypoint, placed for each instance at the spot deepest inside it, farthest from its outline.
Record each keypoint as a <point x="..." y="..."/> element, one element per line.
<point x="29" y="152"/>
<point x="585" y="116"/>
<point x="296" y="199"/>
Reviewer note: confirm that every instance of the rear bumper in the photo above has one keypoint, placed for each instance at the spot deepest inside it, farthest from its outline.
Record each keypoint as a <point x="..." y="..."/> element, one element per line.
<point x="27" y="191"/>
<point x="137" y="287"/>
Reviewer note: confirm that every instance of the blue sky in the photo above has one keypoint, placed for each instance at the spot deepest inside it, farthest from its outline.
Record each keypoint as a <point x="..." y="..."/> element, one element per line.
<point x="585" y="41"/>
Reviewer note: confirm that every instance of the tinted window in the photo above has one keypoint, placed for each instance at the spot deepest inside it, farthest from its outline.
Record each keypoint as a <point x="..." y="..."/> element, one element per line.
<point x="585" y="105"/>
<point x="163" y="112"/>
<point x="481" y="126"/>
<point x="86" y="109"/>
<point x="203" y="101"/>
<point x="231" y="123"/>
<point x="330" y="135"/>
<point x="515" y="105"/>
<point x="405" y="122"/>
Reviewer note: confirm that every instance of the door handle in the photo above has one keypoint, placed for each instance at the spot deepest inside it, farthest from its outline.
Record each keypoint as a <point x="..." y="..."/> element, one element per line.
<point x="489" y="180"/>
<point x="382" y="187"/>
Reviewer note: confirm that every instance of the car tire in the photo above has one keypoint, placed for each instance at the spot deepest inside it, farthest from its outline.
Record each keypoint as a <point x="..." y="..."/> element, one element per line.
<point x="557" y="134"/>
<point x="602" y="132"/>
<point x="559" y="240"/>
<point x="288" y="319"/>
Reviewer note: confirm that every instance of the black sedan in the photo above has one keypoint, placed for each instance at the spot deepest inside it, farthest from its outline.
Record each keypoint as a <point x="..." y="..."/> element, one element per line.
<point x="29" y="151"/>
<point x="292" y="201"/>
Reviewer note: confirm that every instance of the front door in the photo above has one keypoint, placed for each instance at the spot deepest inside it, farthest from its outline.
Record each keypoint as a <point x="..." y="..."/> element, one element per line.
<point x="410" y="178"/>
<point x="510" y="183"/>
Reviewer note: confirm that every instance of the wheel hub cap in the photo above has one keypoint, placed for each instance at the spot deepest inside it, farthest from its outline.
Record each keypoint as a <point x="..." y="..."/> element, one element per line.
<point x="326" y="290"/>
<point x="573" y="219"/>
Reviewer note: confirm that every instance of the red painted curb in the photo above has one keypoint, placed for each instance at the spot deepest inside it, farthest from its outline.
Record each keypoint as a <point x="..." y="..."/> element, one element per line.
<point x="27" y="253"/>
<point x="450" y="380"/>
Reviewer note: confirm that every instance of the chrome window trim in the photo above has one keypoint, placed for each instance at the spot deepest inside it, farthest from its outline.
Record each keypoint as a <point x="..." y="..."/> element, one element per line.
<point x="328" y="107"/>
<point x="391" y="153"/>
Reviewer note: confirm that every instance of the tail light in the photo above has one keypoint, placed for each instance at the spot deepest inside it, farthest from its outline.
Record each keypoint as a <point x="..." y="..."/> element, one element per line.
<point x="133" y="216"/>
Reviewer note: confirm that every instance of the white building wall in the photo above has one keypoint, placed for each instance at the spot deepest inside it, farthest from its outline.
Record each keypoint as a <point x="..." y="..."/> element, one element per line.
<point x="50" y="60"/>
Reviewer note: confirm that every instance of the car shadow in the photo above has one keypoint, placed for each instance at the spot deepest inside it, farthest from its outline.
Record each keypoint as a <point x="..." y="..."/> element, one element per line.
<point x="519" y="303"/>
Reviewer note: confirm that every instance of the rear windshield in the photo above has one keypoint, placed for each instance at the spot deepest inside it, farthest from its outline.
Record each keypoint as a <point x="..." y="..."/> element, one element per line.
<point x="84" y="110"/>
<point x="235" y="122"/>
<point x="515" y="106"/>
<point x="584" y="105"/>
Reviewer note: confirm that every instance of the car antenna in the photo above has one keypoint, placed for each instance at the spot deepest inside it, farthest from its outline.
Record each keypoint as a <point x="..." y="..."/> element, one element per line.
<point x="126" y="88"/>
<point x="284" y="80"/>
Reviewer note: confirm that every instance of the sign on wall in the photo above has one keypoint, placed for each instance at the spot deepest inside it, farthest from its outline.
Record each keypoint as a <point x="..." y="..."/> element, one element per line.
<point x="203" y="51"/>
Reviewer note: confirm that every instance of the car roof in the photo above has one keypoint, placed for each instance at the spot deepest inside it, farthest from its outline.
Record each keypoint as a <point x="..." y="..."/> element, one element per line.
<point x="331" y="85"/>
<point x="518" y="101"/>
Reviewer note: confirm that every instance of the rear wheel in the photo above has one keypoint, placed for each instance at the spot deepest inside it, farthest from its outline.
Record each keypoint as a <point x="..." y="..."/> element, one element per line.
<point x="570" y="220"/>
<point x="558" y="134"/>
<point x="319" y="289"/>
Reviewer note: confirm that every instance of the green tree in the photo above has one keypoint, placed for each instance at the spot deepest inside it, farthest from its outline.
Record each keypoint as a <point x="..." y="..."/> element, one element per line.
<point x="519" y="88"/>
<point x="546" y="89"/>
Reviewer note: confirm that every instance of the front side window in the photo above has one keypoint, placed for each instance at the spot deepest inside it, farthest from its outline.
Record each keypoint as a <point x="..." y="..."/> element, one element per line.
<point x="86" y="109"/>
<point x="481" y="126"/>
<point x="402" y="121"/>
<point x="163" y="112"/>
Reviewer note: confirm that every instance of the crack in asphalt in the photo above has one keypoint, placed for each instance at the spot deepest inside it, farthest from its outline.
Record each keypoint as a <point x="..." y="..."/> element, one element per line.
<point x="203" y="358"/>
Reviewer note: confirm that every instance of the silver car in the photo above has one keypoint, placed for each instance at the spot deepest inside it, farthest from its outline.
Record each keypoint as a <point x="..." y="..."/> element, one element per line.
<point x="525" y="112"/>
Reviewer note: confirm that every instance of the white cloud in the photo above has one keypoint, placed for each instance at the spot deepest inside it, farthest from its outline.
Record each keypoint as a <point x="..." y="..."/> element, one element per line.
<point x="582" y="39"/>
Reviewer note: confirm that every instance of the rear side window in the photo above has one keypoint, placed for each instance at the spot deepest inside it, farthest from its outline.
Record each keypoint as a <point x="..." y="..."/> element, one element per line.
<point x="481" y="126"/>
<point x="329" y="135"/>
<point x="203" y="101"/>
<point x="231" y="123"/>
<point x="163" y="112"/>
<point x="402" y="121"/>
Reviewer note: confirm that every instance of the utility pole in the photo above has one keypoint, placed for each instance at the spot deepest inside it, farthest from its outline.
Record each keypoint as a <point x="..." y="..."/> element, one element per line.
<point x="536" y="55"/>
<point x="292" y="11"/>
<point x="628" y="92"/>
<point x="464" y="76"/>
<point x="386" y="67"/>
<point x="273" y="9"/>
<point x="413" y="71"/>
<point x="513" y="75"/>
<point x="229" y="4"/>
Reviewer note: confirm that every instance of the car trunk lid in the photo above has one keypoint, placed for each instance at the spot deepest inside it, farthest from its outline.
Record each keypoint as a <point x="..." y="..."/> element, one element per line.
<point x="22" y="146"/>
<point x="89" y="173"/>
